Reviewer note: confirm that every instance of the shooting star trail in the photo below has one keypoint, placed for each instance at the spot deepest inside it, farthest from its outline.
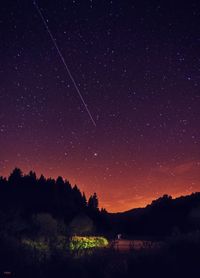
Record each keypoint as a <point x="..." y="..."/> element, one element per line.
<point x="64" y="62"/>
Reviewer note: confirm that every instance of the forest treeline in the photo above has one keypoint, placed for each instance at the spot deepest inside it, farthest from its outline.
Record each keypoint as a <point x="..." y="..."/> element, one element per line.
<point x="22" y="196"/>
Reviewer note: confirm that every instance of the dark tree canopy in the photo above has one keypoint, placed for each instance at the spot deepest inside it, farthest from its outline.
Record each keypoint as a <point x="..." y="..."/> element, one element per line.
<point x="29" y="195"/>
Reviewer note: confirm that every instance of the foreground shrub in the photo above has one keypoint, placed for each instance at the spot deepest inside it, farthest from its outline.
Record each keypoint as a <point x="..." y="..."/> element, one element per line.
<point x="80" y="242"/>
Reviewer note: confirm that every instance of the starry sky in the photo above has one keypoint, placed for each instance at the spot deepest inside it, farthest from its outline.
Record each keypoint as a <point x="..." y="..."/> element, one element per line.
<point x="137" y="66"/>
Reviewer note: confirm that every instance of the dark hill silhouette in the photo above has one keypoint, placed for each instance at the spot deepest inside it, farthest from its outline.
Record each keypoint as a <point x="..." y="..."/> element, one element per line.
<point x="162" y="217"/>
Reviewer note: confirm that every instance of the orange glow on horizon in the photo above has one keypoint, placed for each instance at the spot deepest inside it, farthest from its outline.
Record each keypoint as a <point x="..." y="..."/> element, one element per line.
<point x="124" y="192"/>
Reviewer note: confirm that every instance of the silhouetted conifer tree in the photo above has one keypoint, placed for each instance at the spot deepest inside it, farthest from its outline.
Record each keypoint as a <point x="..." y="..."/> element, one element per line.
<point x="93" y="202"/>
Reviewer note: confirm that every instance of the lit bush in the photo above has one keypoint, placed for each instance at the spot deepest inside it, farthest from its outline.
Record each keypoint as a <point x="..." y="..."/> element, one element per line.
<point x="80" y="242"/>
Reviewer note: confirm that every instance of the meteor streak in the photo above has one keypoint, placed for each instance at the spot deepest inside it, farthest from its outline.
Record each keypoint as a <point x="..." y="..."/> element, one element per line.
<point x="64" y="62"/>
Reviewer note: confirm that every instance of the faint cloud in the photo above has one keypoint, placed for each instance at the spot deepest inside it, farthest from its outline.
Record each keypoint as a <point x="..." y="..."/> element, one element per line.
<point x="180" y="169"/>
<point x="184" y="168"/>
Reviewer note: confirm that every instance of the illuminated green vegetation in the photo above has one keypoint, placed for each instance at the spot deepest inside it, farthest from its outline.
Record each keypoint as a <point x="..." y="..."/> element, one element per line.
<point x="75" y="243"/>
<point x="81" y="242"/>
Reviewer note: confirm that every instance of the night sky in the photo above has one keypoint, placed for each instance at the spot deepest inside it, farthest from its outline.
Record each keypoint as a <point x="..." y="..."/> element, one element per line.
<point x="137" y="66"/>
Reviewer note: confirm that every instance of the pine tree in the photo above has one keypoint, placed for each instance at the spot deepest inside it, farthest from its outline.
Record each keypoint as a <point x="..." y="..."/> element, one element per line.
<point x="93" y="202"/>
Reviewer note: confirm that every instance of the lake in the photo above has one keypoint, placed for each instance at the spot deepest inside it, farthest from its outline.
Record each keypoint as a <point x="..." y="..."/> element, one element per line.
<point x="126" y="244"/>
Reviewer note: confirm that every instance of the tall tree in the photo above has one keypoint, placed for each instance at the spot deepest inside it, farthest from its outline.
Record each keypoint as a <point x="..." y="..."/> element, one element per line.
<point x="93" y="202"/>
<point x="15" y="176"/>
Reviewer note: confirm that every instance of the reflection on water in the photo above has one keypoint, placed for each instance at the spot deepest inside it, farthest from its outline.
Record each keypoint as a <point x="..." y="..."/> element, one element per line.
<point x="126" y="245"/>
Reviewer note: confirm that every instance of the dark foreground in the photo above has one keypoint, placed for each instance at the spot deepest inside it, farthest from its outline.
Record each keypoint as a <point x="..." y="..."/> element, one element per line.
<point x="39" y="217"/>
<point x="177" y="257"/>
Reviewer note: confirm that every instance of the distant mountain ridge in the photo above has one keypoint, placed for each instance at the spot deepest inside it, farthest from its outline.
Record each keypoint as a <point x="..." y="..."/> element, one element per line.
<point x="163" y="216"/>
